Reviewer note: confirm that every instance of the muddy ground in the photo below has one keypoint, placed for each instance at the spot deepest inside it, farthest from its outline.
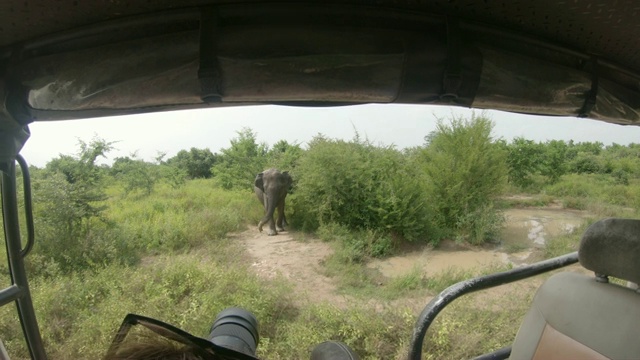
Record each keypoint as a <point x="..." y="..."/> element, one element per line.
<point x="301" y="261"/>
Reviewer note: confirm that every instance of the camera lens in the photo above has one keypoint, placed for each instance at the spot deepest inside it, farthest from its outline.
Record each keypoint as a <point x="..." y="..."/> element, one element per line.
<point x="235" y="329"/>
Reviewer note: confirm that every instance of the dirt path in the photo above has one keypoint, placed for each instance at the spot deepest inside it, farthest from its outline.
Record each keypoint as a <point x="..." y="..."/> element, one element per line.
<point x="300" y="262"/>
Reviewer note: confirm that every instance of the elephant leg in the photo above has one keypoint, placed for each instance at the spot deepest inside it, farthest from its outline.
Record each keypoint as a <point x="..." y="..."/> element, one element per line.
<point x="272" y="227"/>
<point x="284" y="216"/>
<point x="280" y="222"/>
<point x="272" y="224"/>
<point x="265" y="204"/>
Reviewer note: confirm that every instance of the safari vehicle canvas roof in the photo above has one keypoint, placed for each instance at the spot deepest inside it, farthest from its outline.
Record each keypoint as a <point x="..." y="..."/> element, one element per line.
<point x="76" y="59"/>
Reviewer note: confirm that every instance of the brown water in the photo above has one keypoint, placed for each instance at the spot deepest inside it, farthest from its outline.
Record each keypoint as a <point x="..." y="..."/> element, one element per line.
<point x="525" y="229"/>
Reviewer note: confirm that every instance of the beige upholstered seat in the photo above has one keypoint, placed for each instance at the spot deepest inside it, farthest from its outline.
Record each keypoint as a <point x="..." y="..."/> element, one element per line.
<point x="576" y="316"/>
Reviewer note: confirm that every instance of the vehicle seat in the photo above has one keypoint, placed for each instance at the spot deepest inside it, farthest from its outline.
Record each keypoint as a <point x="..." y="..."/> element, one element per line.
<point x="576" y="316"/>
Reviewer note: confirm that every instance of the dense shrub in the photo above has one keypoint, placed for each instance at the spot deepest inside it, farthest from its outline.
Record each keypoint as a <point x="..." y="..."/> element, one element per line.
<point x="195" y="163"/>
<point x="360" y="186"/>
<point x="283" y="155"/>
<point x="553" y="160"/>
<point x="523" y="160"/>
<point x="586" y="163"/>
<point x="135" y="174"/>
<point x="239" y="164"/>
<point x="466" y="172"/>
<point x="70" y="227"/>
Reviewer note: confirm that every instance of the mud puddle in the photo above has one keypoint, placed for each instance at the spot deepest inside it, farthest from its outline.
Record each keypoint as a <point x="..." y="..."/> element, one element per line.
<point x="525" y="230"/>
<point x="532" y="227"/>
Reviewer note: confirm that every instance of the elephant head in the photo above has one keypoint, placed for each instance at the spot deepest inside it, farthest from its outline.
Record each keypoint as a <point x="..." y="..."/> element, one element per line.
<point x="271" y="187"/>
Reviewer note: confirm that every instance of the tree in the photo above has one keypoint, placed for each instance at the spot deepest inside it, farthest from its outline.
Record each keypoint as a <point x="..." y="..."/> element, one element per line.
<point x="467" y="171"/>
<point x="523" y="159"/>
<point x="554" y="160"/>
<point x="284" y="156"/>
<point x="135" y="174"/>
<point x="82" y="168"/>
<point x="239" y="164"/>
<point x="69" y="191"/>
<point x="196" y="163"/>
<point x="82" y="184"/>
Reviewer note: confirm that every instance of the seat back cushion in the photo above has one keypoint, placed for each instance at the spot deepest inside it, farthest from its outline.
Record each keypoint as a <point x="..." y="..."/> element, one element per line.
<point x="575" y="317"/>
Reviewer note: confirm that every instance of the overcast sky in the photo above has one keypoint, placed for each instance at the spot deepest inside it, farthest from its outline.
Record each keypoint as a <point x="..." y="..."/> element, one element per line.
<point x="399" y="125"/>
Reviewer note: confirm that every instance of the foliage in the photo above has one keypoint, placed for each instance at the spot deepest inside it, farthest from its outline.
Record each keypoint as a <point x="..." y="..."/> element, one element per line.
<point x="356" y="246"/>
<point x="180" y="219"/>
<point x="195" y="163"/>
<point x="68" y="211"/>
<point x="173" y="176"/>
<point x="72" y="185"/>
<point x="360" y="186"/>
<point x="284" y="156"/>
<point x="553" y="160"/>
<point x="82" y="168"/>
<point x="466" y="173"/>
<point x="586" y="163"/>
<point x="523" y="158"/>
<point x="135" y="174"/>
<point x="596" y="188"/>
<point x="239" y="164"/>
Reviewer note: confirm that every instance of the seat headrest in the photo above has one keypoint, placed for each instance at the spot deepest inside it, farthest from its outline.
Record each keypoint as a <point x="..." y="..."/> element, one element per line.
<point x="612" y="247"/>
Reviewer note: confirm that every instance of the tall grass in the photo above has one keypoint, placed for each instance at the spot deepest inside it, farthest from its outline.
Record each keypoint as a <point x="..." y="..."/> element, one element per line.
<point x="78" y="313"/>
<point x="581" y="191"/>
<point x="183" y="218"/>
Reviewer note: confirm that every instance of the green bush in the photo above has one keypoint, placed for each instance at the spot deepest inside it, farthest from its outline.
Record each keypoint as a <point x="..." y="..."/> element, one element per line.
<point x="283" y="155"/>
<point x="553" y="160"/>
<point x="523" y="159"/>
<point x="195" y="163"/>
<point x="467" y="172"/>
<point x="135" y="174"/>
<point x="356" y="245"/>
<point x="237" y="166"/>
<point x="360" y="186"/>
<point x="586" y="163"/>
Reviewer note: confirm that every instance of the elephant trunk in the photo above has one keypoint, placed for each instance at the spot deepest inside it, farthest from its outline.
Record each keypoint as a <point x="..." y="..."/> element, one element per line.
<point x="271" y="209"/>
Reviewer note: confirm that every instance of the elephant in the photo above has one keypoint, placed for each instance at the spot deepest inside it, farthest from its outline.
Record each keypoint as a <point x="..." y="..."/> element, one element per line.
<point x="271" y="187"/>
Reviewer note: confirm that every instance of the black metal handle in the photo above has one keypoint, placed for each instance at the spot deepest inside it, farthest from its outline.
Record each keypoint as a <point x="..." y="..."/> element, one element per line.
<point x="28" y="207"/>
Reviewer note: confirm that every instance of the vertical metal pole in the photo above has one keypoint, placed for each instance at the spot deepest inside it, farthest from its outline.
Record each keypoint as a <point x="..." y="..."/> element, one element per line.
<point x="16" y="261"/>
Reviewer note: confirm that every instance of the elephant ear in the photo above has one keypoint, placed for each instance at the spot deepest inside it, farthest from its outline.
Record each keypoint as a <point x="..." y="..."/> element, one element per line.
<point x="258" y="182"/>
<point x="288" y="179"/>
